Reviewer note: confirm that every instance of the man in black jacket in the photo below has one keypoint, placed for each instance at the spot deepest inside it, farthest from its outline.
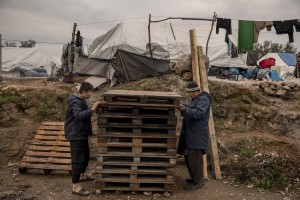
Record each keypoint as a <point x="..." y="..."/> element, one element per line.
<point x="78" y="127"/>
<point x="195" y="134"/>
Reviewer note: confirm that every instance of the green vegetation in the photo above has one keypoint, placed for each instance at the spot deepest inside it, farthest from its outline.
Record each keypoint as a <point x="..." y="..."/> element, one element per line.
<point x="219" y="123"/>
<point x="237" y="99"/>
<point x="8" y="97"/>
<point x="245" y="150"/>
<point x="51" y="107"/>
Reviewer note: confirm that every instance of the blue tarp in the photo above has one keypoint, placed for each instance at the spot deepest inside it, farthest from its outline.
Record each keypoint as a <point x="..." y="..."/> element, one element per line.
<point x="288" y="58"/>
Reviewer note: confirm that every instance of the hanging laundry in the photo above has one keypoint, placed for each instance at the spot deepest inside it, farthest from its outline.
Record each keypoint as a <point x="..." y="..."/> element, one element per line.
<point x="234" y="51"/>
<point x="296" y="23"/>
<point x="226" y="24"/>
<point x="79" y="38"/>
<point x="245" y="35"/>
<point x="260" y="25"/>
<point x="285" y="27"/>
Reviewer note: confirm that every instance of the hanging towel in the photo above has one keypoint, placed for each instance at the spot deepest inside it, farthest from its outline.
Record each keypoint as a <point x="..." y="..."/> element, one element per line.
<point x="246" y="35"/>
<point x="226" y="24"/>
<point x="296" y="23"/>
<point x="285" y="27"/>
<point x="260" y="25"/>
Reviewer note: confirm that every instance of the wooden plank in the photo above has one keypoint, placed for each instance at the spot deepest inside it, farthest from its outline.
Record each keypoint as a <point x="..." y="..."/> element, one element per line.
<point x="51" y="127"/>
<point x="194" y="54"/>
<point x="49" y="148"/>
<point x="53" y="123"/>
<point x="50" y="132"/>
<point x="126" y="171"/>
<point x="138" y="180"/>
<point x="111" y="186"/>
<point x="143" y="155"/>
<point x="120" y="135"/>
<point x="142" y="93"/>
<point x="213" y="141"/>
<point x="51" y="143"/>
<point x="128" y="144"/>
<point x="51" y="137"/>
<point x="29" y="159"/>
<point x="47" y="154"/>
<point x="45" y="166"/>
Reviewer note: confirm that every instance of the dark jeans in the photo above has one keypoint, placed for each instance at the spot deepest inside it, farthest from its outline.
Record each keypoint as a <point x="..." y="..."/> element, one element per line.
<point x="194" y="163"/>
<point x="80" y="154"/>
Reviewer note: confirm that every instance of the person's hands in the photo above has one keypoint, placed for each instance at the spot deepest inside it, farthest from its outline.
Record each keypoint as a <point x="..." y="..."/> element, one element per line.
<point x="181" y="108"/>
<point x="95" y="105"/>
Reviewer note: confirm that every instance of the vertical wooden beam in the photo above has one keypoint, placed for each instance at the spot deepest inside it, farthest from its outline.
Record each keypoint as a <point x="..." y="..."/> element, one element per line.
<point x="72" y="56"/>
<point x="212" y="26"/>
<point x="213" y="141"/>
<point x="0" y="56"/>
<point x="196" y="78"/>
<point x="194" y="54"/>
<point x="149" y="36"/>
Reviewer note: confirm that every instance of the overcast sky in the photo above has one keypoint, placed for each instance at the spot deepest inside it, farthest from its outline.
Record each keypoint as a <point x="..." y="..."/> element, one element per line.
<point x="52" y="20"/>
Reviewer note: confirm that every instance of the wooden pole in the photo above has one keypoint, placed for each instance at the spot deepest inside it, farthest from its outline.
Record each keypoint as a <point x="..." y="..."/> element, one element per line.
<point x="212" y="26"/>
<point x="213" y="141"/>
<point x="71" y="64"/>
<point x="196" y="78"/>
<point x="194" y="55"/>
<point x="0" y="56"/>
<point x="149" y="36"/>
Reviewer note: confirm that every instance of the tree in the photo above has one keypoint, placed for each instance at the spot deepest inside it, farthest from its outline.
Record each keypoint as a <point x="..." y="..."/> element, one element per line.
<point x="10" y="44"/>
<point x="268" y="47"/>
<point x="28" y="44"/>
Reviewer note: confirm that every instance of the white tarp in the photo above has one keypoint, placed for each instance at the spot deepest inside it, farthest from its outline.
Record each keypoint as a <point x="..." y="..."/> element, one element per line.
<point x="173" y="39"/>
<point x="14" y="58"/>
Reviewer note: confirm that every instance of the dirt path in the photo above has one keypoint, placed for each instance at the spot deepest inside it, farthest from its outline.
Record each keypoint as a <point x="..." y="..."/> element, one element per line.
<point x="32" y="186"/>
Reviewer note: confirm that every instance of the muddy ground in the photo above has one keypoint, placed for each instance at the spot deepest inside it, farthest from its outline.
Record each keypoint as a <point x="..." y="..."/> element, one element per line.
<point x="254" y="136"/>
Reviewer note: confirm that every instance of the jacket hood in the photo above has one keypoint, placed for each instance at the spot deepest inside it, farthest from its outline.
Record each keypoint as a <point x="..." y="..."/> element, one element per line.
<point x="71" y="97"/>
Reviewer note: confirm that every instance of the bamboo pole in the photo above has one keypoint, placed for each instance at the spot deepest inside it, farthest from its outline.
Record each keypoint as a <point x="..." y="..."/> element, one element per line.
<point x="213" y="141"/>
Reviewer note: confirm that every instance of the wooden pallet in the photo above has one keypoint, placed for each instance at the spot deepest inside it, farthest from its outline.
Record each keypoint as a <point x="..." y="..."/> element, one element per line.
<point x="124" y="159"/>
<point x="49" y="150"/>
<point x="136" y="120"/>
<point x="135" y="110"/>
<point x="134" y="186"/>
<point x="150" y="98"/>
<point x="151" y="131"/>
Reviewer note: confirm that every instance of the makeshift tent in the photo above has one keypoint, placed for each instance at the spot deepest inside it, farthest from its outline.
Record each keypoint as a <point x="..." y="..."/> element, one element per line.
<point x="18" y="62"/>
<point x="126" y="48"/>
<point x="285" y="61"/>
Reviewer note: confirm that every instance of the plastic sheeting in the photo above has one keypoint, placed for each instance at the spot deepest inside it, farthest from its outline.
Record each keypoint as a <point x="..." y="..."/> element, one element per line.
<point x="15" y="58"/>
<point x="288" y="58"/>
<point x="169" y="41"/>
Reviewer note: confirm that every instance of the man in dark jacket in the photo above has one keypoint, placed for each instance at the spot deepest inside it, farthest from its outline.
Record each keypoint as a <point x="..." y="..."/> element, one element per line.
<point x="195" y="134"/>
<point x="78" y="127"/>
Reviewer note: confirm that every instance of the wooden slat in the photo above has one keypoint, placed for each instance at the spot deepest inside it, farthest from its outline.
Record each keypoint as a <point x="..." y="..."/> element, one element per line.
<point x="51" y="143"/>
<point x="47" y="154"/>
<point x="53" y="123"/>
<point x="142" y="93"/>
<point x="51" y="127"/>
<point x="45" y="166"/>
<point x="49" y="148"/>
<point x="46" y="160"/>
<point x="47" y="137"/>
<point x="50" y="132"/>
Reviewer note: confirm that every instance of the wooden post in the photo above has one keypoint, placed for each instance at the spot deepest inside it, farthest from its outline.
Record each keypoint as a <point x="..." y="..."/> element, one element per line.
<point x="194" y="56"/>
<point x="297" y="65"/>
<point x="196" y="78"/>
<point x="0" y="56"/>
<point x="73" y="49"/>
<point x="149" y="36"/>
<point x="212" y="26"/>
<point x="213" y="141"/>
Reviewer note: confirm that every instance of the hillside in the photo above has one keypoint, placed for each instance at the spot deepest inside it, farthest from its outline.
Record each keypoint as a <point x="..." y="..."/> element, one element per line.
<point x="258" y="136"/>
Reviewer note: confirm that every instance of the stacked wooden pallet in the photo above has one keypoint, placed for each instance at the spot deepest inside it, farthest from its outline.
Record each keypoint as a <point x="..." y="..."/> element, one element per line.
<point x="49" y="151"/>
<point x="136" y="141"/>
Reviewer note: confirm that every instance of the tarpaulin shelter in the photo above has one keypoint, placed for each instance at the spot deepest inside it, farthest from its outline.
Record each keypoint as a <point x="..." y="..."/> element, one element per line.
<point x="19" y="62"/>
<point x="126" y="49"/>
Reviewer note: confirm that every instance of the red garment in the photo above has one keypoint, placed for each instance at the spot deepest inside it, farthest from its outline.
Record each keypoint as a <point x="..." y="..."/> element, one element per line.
<point x="267" y="63"/>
